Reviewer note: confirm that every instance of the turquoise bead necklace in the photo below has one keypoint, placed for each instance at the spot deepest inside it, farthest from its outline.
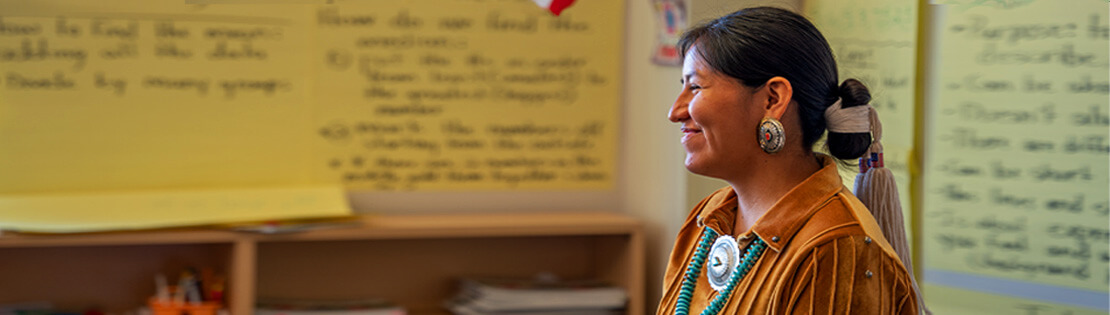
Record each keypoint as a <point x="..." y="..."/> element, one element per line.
<point x="690" y="280"/>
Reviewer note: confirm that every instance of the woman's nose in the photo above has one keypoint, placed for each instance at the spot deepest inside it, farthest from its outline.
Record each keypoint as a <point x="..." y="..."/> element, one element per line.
<point x="679" y="111"/>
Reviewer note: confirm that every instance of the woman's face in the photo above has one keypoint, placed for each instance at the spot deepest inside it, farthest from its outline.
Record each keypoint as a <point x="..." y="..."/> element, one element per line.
<point x="718" y="117"/>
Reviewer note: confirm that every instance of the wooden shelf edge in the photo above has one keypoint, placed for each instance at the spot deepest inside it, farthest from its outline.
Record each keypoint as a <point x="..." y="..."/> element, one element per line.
<point x="369" y="227"/>
<point x="119" y="238"/>
<point x="472" y="225"/>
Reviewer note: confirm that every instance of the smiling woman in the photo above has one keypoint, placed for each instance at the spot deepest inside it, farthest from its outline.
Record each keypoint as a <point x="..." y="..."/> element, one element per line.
<point x="785" y="237"/>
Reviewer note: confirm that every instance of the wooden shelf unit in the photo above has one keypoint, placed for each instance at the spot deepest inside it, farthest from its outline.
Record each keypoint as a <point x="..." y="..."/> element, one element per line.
<point x="413" y="260"/>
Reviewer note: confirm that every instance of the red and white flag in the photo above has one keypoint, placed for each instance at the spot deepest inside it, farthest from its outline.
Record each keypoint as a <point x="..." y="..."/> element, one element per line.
<point x="555" y="6"/>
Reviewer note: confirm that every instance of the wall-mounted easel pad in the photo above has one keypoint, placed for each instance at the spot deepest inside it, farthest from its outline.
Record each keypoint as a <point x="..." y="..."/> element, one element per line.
<point x="412" y="95"/>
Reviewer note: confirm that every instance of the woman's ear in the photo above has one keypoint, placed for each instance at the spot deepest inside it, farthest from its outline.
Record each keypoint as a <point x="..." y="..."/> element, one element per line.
<point x="779" y="95"/>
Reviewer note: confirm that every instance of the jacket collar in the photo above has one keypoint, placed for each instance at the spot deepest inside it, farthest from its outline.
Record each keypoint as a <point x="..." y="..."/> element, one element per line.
<point x="781" y="222"/>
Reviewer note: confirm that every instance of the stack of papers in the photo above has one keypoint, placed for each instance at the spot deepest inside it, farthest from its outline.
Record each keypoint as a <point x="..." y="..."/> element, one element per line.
<point x="327" y="307"/>
<point x="529" y="297"/>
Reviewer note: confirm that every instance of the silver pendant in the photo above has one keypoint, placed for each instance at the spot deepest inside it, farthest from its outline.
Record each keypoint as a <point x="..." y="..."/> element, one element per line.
<point x="724" y="257"/>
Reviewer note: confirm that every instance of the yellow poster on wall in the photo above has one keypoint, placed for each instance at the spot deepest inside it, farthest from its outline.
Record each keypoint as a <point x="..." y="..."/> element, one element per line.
<point x="1017" y="157"/>
<point x="449" y="95"/>
<point x="408" y="95"/>
<point x="122" y="95"/>
<point x="166" y="97"/>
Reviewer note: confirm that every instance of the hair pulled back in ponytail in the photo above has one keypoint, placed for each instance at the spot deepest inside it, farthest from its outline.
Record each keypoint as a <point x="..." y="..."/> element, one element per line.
<point x="850" y="145"/>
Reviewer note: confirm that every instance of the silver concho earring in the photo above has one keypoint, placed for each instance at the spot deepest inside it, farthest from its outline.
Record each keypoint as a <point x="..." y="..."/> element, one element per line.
<point x="771" y="135"/>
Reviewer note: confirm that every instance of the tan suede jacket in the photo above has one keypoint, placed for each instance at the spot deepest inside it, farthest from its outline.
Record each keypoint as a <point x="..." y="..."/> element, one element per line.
<point x="829" y="258"/>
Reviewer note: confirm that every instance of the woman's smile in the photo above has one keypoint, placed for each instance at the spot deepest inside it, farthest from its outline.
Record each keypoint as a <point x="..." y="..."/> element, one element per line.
<point x="689" y="133"/>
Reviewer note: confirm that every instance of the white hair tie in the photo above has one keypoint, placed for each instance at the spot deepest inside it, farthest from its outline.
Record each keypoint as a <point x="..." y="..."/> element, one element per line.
<point x="855" y="119"/>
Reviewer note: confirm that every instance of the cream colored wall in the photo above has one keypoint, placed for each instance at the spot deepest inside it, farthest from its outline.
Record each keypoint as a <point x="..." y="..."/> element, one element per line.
<point x="702" y="10"/>
<point x="653" y="186"/>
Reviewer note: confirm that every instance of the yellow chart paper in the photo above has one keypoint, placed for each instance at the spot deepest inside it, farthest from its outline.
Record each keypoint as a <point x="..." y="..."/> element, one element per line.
<point x="93" y="212"/>
<point x="401" y="95"/>
<point x="410" y="95"/>
<point x="449" y="95"/>
<point x="123" y="95"/>
<point x="1016" y="170"/>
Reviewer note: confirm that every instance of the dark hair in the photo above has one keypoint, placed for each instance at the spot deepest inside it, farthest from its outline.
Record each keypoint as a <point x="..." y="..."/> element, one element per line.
<point x="755" y="44"/>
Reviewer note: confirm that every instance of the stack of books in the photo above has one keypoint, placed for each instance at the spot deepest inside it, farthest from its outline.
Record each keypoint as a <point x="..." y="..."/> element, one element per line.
<point x="532" y="297"/>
